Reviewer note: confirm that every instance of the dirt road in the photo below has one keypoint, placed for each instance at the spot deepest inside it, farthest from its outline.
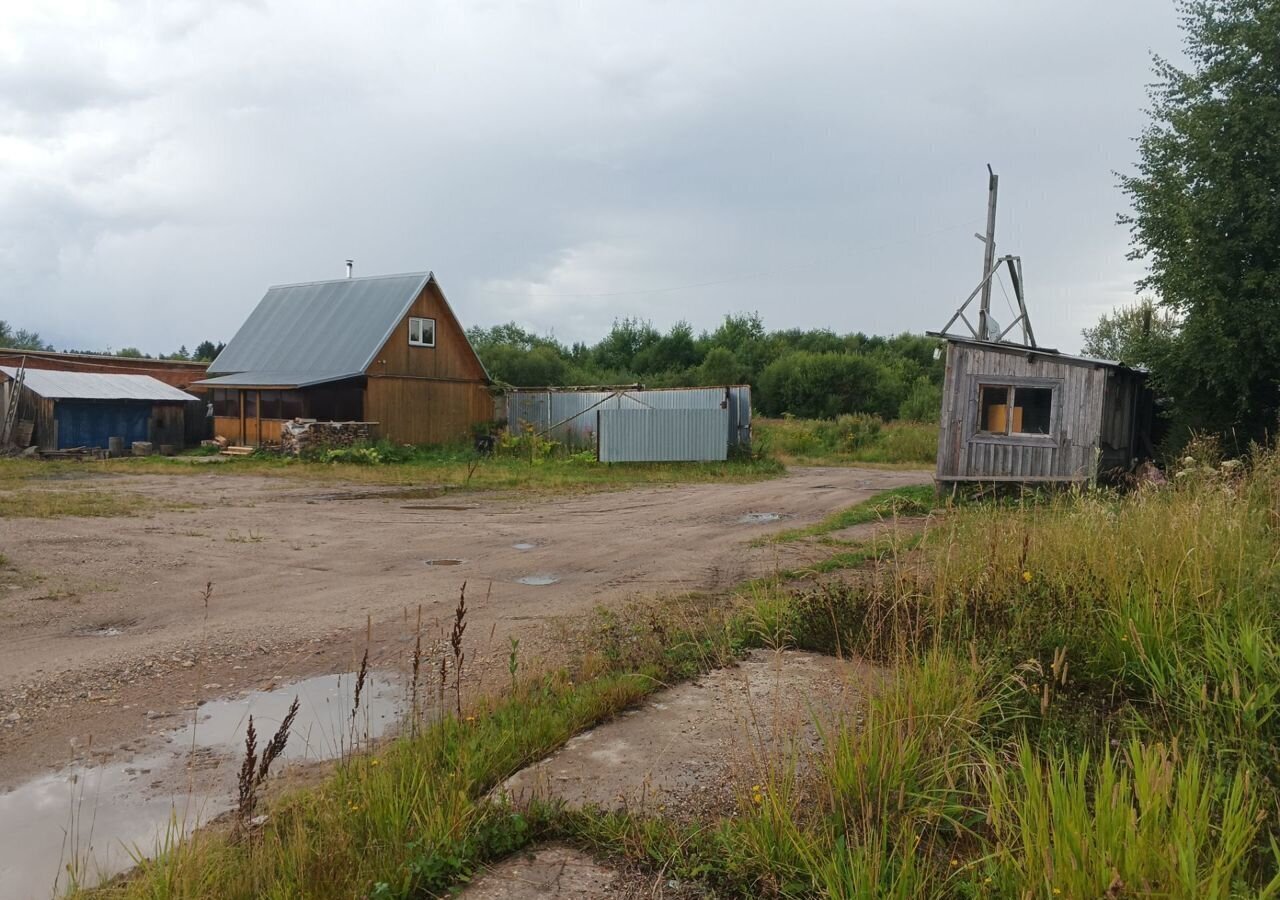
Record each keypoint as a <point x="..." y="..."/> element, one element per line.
<point x="103" y="631"/>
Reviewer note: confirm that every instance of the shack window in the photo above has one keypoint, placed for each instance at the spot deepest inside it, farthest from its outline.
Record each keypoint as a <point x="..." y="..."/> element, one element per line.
<point x="993" y="409"/>
<point x="1030" y="412"/>
<point x="251" y="404"/>
<point x="422" y="332"/>
<point x="270" y="404"/>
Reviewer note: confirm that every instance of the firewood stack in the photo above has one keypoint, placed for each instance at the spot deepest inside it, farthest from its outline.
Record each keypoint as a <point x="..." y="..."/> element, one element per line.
<point x="298" y="436"/>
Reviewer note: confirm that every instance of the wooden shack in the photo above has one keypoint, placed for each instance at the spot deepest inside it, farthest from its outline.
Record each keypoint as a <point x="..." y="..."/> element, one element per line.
<point x="386" y="350"/>
<point x="87" y="409"/>
<point x="1014" y="413"/>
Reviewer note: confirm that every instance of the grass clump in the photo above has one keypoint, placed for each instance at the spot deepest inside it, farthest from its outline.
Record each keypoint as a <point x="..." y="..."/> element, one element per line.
<point x="912" y="500"/>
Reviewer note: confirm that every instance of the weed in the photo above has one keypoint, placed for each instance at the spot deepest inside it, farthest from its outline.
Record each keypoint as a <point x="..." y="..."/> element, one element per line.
<point x="255" y="768"/>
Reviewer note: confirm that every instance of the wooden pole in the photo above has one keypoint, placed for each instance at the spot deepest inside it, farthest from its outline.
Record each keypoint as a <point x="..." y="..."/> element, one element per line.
<point x="988" y="258"/>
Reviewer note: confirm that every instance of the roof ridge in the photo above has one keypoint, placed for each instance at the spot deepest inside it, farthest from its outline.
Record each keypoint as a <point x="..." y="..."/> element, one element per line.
<point x="422" y="274"/>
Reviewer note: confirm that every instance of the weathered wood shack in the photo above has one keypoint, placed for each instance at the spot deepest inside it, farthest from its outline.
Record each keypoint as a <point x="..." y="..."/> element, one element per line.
<point x="1012" y="413"/>
<point x="385" y="349"/>
<point x="85" y="409"/>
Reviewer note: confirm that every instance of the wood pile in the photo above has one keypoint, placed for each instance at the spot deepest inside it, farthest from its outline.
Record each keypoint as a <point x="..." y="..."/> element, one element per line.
<point x="300" y="436"/>
<point x="235" y="451"/>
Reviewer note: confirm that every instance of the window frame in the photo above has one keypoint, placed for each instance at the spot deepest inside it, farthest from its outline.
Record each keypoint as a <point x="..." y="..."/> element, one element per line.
<point x="1012" y="384"/>
<point x="420" y="342"/>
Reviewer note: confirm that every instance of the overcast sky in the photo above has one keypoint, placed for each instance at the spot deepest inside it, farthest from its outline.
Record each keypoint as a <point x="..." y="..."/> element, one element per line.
<point x="565" y="164"/>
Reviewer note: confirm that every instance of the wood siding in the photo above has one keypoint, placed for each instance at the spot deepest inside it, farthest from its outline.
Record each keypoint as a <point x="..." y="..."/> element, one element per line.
<point x="427" y="395"/>
<point x="1069" y="453"/>
<point x="422" y="411"/>
<point x="451" y="359"/>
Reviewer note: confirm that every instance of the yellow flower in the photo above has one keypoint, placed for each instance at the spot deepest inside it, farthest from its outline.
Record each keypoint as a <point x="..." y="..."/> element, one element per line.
<point x="1057" y="890"/>
<point x="954" y="862"/>
<point x="375" y="761"/>
<point x="1026" y="577"/>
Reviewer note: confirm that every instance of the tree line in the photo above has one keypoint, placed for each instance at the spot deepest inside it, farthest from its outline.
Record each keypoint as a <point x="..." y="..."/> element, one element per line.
<point x="13" y="338"/>
<point x="808" y="373"/>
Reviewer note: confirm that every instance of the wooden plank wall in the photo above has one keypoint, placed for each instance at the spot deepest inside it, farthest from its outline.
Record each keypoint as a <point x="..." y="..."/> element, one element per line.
<point x="422" y="411"/>
<point x="451" y="358"/>
<point x="1068" y="453"/>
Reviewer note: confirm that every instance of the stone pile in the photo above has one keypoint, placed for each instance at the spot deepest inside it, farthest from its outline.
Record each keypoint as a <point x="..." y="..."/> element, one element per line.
<point x="299" y="436"/>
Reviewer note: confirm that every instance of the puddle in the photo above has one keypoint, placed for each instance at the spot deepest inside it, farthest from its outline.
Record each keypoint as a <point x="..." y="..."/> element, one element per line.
<point x="538" y="580"/>
<point x="444" y="562"/>
<point x="759" y="518"/>
<point x="109" y="631"/>
<point x="102" y="816"/>
<point x="524" y="545"/>
<point x="437" y="506"/>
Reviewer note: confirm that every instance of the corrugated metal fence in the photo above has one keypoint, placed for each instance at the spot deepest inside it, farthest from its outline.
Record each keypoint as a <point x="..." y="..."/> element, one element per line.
<point x="573" y="417"/>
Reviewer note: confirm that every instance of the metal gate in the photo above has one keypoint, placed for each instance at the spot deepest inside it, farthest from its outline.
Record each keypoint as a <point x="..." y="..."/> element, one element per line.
<point x="663" y="435"/>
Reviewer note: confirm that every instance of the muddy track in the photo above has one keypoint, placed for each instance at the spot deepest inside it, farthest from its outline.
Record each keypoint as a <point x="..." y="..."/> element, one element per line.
<point x="103" y="631"/>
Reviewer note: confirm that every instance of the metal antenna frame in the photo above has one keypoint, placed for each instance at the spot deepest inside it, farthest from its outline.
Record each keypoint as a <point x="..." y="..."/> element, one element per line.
<point x="990" y="266"/>
<point x="1015" y="275"/>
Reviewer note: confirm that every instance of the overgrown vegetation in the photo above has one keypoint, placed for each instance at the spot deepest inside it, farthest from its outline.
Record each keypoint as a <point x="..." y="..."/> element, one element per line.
<point x="805" y="373"/>
<point x="847" y="439"/>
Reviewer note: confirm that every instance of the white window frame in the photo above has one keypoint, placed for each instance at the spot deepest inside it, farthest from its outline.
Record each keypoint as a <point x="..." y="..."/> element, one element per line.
<point x="418" y="321"/>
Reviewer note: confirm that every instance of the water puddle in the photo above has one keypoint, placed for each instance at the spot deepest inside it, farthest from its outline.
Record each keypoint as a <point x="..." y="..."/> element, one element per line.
<point x="426" y="493"/>
<point x="538" y="580"/>
<point x="524" y="545"/>
<point x="444" y="562"/>
<point x="106" y="631"/>
<point x="99" y="818"/>
<point x="759" y="518"/>
<point x="454" y="507"/>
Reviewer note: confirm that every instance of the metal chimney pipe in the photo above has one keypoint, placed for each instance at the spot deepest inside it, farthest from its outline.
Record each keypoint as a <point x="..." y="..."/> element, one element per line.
<point x="350" y="263"/>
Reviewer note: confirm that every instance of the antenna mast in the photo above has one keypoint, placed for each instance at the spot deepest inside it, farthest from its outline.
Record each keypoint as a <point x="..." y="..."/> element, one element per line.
<point x="986" y="329"/>
<point x="988" y="256"/>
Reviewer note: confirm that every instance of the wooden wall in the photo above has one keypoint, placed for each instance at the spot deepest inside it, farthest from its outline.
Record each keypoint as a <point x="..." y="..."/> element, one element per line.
<point x="427" y="395"/>
<point x="426" y="411"/>
<point x="451" y="358"/>
<point x="1070" y="452"/>
<point x="178" y="373"/>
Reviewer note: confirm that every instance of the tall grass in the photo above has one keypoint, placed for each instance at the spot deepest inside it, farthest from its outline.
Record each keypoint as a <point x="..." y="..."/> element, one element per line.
<point x="848" y="440"/>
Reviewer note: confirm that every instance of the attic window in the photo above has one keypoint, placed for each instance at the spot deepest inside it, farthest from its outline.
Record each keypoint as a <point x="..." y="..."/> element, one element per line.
<point x="422" y="332"/>
<point x="1031" y="410"/>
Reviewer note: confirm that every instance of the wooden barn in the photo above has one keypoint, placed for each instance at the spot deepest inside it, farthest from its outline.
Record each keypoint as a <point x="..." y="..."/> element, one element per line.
<point x="62" y="410"/>
<point x="1017" y="413"/>
<point x="385" y="349"/>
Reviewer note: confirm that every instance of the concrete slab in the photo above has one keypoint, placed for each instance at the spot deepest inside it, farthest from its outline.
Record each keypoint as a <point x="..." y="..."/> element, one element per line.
<point x="675" y="755"/>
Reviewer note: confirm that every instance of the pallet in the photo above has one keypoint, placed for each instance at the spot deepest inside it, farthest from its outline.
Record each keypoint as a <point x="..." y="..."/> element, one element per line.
<point x="236" y="451"/>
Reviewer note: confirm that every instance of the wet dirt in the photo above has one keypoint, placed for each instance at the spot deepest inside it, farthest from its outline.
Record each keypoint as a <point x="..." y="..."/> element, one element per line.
<point x="99" y="817"/>
<point x="675" y="754"/>
<point x="321" y="582"/>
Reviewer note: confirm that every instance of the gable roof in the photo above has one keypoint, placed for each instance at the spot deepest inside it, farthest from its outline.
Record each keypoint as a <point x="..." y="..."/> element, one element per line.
<point x="53" y="384"/>
<point x="317" y="332"/>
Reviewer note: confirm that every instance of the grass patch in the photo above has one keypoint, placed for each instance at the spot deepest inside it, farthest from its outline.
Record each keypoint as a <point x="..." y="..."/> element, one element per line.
<point x="444" y="468"/>
<point x="848" y="440"/>
<point x="47" y="503"/>
<point x="912" y="500"/>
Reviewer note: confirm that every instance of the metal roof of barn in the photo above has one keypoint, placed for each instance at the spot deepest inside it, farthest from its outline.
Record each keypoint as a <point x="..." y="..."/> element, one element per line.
<point x="317" y="332"/>
<point x="53" y="384"/>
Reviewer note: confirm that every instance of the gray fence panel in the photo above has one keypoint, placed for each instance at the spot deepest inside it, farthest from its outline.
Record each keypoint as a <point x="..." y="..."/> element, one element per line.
<point x="570" y="416"/>
<point x="663" y="435"/>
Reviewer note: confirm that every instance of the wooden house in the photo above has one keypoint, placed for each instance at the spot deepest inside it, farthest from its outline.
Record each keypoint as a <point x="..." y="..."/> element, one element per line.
<point x="1015" y="413"/>
<point x="87" y="409"/>
<point x="385" y="349"/>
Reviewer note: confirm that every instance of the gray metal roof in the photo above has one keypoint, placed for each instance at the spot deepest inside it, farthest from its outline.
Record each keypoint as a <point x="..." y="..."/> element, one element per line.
<point x="319" y="331"/>
<point x="259" y="379"/>
<point x="96" y="386"/>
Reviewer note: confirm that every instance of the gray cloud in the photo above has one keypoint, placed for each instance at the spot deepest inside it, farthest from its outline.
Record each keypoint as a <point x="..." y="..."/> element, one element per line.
<point x="564" y="164"/>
